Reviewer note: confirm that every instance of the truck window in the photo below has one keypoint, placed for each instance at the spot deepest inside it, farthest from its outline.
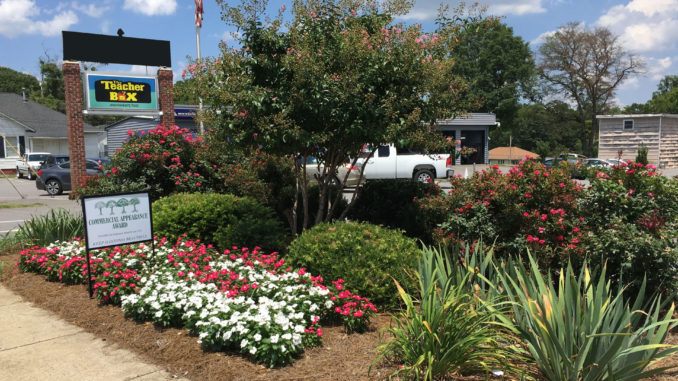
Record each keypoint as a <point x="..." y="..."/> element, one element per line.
<point x="406" y="151"/>
<point x="383" y="151"/>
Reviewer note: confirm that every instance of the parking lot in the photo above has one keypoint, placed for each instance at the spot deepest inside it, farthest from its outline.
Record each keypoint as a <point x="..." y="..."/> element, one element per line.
<point x="26" y="193"/>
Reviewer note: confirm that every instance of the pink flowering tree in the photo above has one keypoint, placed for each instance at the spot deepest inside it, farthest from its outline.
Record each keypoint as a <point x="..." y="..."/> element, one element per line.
<point x="335" y="76"/>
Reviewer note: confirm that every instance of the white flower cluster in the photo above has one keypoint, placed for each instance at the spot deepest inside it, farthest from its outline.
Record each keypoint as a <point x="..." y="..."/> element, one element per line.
<point x="268" y="322"/>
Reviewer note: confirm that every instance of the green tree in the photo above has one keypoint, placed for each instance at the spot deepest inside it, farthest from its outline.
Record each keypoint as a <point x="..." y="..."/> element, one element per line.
<point x="134" y="202"/>
<point x="498" y="64"/>
<point x="123" y="202"/>
<point x="586" y="67"/>
<point x="12" y="81"/>
<point x="185" y="92"/>
<point x="339" y="75"/>
<point x="111" y="204"/>
<point x="100" y="205"/>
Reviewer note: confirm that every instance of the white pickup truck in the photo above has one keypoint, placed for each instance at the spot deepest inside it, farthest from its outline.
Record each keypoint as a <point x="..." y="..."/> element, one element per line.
<point x="389" y="162"/>
<point x="34" y="159"/>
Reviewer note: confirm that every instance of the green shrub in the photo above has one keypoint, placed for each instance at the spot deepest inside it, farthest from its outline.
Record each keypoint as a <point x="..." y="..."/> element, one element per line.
<point x="57" y="225"/>
<point x="641" y="157"/>
<point x="366" y="256"/>
<point x="633" y="255"/>
<point x="447" y="328"/>
<point x="527" y="207"/>
<point x="578" y="329"/>
<point x="220" y="219"/>
<point x="392" y="203"/>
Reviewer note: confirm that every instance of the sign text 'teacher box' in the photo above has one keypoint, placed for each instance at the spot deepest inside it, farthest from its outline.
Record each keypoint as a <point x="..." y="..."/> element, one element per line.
<point x="121" y="93"/>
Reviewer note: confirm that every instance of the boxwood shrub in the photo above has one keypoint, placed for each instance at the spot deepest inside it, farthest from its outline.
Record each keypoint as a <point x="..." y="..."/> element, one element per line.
<point x="366" y="256"/>
<point x="223" y="220"/>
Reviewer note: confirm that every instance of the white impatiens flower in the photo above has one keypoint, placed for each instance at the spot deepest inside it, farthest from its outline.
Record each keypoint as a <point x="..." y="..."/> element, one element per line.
<point x="244" y="343"/>
<point x="257" y="337"/>
<point x="158" y="314"/>
<point x="274" y="338"/>
<point x="253" y="350"/>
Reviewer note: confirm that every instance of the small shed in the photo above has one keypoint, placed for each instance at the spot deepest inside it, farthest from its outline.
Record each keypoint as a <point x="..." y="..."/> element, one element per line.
<point x="621" y="135"/>
<point x="509" y="155"/>
<point x="473" y="130"/>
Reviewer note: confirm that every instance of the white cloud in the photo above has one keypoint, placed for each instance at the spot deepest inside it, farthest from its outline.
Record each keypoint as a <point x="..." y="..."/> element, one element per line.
<point x="106" y="27"/>
<point x="151" y="7"/>
<point x="428" y="9"/>
<point x="90" y="10"/>
<point x="230" y="38"/>
<point x="644" y="37"/>
<point x="653" y="7"/>
<point x="657" y="68"/>
<point x="542" y="37"/>
<point x="19" y="17"/>
<point x="643" y="25"/>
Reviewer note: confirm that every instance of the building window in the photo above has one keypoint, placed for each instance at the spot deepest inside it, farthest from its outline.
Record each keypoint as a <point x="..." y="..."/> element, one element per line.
<point x="2" y="147"/>
<point x="628" y="125"/>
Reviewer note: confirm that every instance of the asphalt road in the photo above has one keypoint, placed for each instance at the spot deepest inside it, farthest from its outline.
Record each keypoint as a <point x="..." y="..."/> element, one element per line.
<point x="27" y="193"/>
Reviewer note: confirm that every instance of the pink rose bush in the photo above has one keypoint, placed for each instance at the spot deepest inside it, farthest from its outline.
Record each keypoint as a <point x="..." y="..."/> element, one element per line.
<point x="239" y="299"/>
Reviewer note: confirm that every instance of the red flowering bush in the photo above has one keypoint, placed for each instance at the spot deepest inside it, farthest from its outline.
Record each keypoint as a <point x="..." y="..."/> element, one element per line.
<point x="529" y="206"/>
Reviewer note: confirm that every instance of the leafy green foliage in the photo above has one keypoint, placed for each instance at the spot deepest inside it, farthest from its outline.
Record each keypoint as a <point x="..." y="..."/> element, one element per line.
<point x="579" y="329"/>
<point x="366" y="256"/>
<point x="446" y="328"/>
<point x="392" y="203"/>
<point x="641" y="157"/>
<point x="335" y="77"/>
<point x="56" y="225"/>
<point x="12" y="81"/>
<point x="528" y="206"/>
<point x="222" y="220"/>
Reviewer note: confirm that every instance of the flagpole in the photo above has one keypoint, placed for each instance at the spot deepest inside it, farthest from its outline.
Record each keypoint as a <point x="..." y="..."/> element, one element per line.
<point x="198" y="25"/>
<point x="197" y="41"/>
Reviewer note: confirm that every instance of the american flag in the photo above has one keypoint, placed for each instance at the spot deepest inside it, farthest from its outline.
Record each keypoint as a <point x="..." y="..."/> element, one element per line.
<point x="198" y="13"/>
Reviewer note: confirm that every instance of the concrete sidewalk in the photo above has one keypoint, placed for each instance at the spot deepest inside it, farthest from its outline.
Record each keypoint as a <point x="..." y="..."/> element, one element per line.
<point x="36" y="345"/>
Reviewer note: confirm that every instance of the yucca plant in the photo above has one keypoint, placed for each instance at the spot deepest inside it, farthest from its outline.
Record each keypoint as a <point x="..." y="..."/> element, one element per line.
<point x="448" y="329"/>
<point x="579" y="330"/>
<point x="57" y="225"/>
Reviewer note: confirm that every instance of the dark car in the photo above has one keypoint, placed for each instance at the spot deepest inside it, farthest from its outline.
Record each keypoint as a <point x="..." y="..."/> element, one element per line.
<point x="57" y="178"/>
<point x="52" y="160"/>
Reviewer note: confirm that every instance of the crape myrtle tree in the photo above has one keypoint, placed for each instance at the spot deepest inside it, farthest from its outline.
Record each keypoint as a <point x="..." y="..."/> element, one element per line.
<point x="326" y="80"/>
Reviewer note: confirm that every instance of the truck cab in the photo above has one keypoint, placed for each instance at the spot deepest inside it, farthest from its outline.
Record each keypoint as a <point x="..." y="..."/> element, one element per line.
<point x="391" y="162"/>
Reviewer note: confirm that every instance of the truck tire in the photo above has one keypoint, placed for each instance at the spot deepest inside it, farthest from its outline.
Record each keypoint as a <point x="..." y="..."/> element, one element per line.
<point x="424" y="176"/>
<point x="18" y="173"/>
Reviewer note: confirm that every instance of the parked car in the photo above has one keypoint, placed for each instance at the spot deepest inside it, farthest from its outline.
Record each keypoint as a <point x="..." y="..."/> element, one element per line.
<point x="29" y="164"/>
<point x="597" y="162"/>
<point x="391" y="162"/>
<point x="57" y="178"/>
<point x="315" y="168"/>
<point x="51" y="160"/>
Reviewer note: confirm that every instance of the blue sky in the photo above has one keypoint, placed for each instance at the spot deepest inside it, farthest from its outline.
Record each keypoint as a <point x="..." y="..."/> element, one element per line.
<point x="30" y="29"/>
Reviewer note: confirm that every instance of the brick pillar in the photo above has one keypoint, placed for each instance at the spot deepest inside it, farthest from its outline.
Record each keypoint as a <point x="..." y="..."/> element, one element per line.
<point x="166" y="96"/>
<point x="74" y="122"/>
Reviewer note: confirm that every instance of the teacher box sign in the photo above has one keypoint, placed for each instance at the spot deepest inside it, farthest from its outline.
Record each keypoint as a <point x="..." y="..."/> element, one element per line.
<point x="119" y="219"/>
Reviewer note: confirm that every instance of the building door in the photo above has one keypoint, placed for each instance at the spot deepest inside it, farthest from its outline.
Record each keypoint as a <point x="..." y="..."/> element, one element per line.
<point x="22" y="145"/>
<point x="474" y="140"/>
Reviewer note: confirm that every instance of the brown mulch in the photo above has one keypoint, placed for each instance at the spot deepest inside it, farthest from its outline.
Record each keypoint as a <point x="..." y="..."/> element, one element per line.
<point x="340" y="357"/>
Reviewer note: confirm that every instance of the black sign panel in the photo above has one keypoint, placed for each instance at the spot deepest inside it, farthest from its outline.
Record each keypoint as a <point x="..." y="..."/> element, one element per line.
<point x="113" y="49"/>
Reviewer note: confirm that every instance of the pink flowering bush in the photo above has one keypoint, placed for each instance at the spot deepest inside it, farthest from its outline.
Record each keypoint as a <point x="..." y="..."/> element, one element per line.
<point x="527" y="207"/>
<point x="238" y="299"/>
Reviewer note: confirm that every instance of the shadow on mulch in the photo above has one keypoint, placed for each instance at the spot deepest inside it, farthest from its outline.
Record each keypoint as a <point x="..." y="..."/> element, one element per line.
<point x="341" y="356"/>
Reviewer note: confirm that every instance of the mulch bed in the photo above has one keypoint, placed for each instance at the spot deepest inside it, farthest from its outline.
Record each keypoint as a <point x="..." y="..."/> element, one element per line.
<point x="341" y="356"/>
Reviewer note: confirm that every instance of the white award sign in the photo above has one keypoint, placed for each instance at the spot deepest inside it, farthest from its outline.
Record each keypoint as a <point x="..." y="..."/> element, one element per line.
<point x="117" y="219"/>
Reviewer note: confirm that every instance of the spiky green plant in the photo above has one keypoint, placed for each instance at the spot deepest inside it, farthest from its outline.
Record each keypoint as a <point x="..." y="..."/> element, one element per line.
<point x="448" y="329"/>
<point x="579" y="330"/>
<point x="56" y="225"/>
